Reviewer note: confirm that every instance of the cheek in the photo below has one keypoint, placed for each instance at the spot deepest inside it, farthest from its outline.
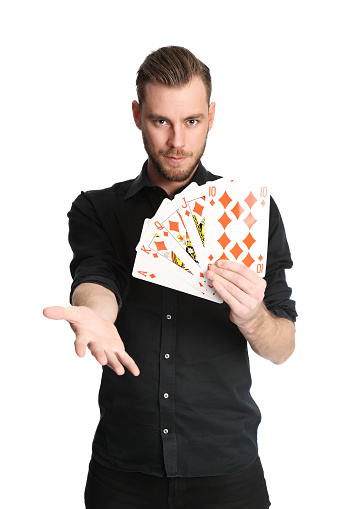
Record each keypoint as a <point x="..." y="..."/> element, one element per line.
<point x="155" y="137"/>
<point x="197" y="136"/>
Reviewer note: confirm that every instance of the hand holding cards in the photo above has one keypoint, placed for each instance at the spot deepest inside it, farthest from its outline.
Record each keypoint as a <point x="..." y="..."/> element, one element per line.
<point x="224" y="219"/>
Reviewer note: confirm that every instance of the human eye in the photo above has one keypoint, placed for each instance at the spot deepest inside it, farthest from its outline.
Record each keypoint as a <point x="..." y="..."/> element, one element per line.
<point x="192" y="121"/>
<point x="160" y="121"/>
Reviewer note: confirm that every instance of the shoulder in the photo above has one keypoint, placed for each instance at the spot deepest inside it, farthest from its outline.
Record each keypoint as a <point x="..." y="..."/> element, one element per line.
<point x="96" y="202"/>
<point x="109" y="194"/>
<point x="118" y="189"/>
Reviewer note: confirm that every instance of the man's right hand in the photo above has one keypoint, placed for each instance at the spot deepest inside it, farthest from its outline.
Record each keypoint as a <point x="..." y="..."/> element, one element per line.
<point x="99" y="335"/>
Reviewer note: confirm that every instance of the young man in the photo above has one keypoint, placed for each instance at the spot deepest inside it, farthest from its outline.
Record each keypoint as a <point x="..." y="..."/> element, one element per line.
<point x="180" y="428"/>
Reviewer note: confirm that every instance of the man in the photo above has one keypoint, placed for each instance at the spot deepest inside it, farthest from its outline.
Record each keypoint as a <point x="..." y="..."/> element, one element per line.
<point x="182" y="431"/>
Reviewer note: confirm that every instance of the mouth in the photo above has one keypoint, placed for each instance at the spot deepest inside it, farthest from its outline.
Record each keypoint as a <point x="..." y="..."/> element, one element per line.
<point x="175" y="160"/>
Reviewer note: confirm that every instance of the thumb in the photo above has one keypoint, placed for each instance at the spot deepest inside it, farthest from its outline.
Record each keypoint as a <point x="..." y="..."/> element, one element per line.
<point x="54" y="312"/>
<point x="71" y="313"/>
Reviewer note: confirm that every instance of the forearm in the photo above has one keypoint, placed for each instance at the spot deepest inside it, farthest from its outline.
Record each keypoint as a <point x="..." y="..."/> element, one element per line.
<point x="270" y="336"/>
<point x="98" y="298"/>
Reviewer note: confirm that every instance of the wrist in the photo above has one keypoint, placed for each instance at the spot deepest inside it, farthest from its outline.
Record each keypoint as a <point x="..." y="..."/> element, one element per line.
<point x="250" y="326"/>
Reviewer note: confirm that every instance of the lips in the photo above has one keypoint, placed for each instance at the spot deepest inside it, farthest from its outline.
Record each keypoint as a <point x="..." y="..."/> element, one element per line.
<point x="175" y="159"/>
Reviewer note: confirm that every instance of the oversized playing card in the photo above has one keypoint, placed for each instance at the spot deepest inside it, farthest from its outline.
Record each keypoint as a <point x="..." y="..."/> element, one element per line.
<point x="237" y="221"/>
<point x="159" y="246"/>
<point x="224" y="219"/>
<point x="146" y="270"/>
<point x="191" y="206"/>
<point x="168" y="215"/>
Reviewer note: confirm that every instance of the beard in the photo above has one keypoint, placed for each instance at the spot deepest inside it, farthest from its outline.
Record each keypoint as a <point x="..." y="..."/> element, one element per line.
<point x="174" y="173"/>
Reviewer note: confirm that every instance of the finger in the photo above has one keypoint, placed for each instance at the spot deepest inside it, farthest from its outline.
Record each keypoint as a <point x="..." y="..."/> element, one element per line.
<point x="233" y="303"/>
<point x="71" y="314"/>
<point x="98" y="352"/>
<point x="231" y="293"/>
<point x="128" y="362"/>
<point x="239" y="268"/>
<point x="54" y="312"/>
<point x="80" y="345"/>
<point x="115" y="364"/>
<point x="234" y="278"/>
<point x="243" y="277"/>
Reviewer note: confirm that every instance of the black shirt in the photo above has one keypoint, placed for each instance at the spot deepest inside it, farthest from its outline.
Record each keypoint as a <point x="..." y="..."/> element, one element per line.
<point x="189" y="413"/>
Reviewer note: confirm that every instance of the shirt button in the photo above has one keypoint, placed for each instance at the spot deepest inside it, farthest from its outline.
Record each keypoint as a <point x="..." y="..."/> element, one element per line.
<point x="165" y="431"/>
<point x="168" y="317"/>
<point x="166" y="395"/>
<point x="167" y="355"/>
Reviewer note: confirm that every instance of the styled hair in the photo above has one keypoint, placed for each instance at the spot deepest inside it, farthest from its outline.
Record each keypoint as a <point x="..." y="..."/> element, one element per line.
<point x="173" y="66"/>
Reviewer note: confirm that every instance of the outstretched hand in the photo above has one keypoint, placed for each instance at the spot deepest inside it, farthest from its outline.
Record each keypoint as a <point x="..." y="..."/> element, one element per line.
<point x="99" y="335"/>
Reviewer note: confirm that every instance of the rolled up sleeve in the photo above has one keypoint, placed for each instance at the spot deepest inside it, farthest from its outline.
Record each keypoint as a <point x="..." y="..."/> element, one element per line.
<point x="94" y="257"/>
<point x="278" y="293"/>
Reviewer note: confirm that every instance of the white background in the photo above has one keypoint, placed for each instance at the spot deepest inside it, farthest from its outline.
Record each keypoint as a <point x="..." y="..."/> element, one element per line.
<point x="67" y="82"/>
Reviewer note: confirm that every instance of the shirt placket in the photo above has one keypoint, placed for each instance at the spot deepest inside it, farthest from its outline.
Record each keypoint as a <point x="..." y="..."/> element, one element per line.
<point x="167" y="382"/>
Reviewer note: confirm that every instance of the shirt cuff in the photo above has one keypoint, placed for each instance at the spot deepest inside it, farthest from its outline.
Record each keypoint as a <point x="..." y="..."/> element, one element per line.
<point x="285" y="312"/>
<point x="99" y="280"/>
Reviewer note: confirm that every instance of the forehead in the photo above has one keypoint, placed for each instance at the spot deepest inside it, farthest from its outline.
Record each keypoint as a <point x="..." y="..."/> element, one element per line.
<point x="163" y="99"/>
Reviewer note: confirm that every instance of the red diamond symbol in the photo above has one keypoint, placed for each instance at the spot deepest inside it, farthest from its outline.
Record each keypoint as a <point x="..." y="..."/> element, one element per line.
<point x="250" y="200"/>
<point x="250" y="220"/>
<point x="224" y="220"/>
<point x="152" y="276"/>
<point x="173" y="226"/>
<point x="210" y="257"/>
<point x="225" y="200"/>
<point x="155" y="255"/>
<point x="187" y="213"/>
<point x="249" y="241"/>
<point x="248" y="260"/>
<point x="165" y="234"/>
<point x="263" y="203"/>
<point x="212" y="202"/>
<point x="198" y="209"/>
<point x="161" y="246"/>
<point x="223" y="257"/>
<point x="237" y="210"/>
<point x="236" y="251"/>
<point x="224" y="240"/>
<point x="260" y="258"/>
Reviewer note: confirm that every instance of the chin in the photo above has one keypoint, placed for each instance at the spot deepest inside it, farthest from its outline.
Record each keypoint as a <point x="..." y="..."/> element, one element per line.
<point x="175" y="174"/>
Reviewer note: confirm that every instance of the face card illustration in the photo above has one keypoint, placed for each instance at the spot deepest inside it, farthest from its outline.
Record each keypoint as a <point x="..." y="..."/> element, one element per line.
<point x="164" y="244"/>
<point x="170" y="217"/>
<point x="237" y="220"/>
<point x="191" y="205"/>
<point x="157" y="244"/>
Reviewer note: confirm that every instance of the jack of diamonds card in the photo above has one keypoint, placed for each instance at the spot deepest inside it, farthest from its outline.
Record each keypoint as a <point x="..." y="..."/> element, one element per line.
<point x="237" y="222"/>
<point x="191" y="206"/>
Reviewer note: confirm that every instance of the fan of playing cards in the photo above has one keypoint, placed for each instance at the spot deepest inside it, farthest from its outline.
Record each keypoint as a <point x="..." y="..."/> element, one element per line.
<point x="224" y="219"/>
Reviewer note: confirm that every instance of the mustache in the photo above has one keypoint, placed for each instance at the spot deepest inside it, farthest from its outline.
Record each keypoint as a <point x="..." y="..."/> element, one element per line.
<point x="175" y="153"/>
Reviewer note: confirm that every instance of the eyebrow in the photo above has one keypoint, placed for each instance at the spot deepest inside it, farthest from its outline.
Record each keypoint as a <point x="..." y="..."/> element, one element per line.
<point x="154" y="116"/>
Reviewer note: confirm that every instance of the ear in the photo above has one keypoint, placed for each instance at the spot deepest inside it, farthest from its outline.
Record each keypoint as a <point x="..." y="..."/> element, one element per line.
<point x="211" y="115"/>
<point x="136" y="113"/>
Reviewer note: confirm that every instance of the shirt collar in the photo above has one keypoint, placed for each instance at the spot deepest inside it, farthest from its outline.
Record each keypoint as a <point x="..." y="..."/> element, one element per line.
<point x="200" y="177"/>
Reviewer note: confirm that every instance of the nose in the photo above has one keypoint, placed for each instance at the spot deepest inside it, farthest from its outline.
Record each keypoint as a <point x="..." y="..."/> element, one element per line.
<point x="177" y="137"/>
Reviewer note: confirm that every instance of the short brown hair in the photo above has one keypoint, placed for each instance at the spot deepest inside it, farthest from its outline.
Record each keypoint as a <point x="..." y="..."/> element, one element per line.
<point x="172" y="66"/>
